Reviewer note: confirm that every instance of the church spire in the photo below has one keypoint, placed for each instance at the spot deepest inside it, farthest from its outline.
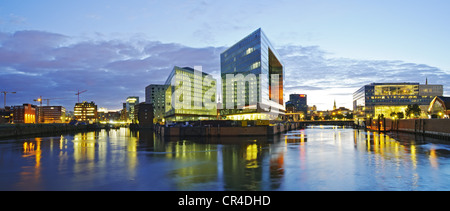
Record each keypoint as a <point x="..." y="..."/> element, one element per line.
<point x="334" y="106"/>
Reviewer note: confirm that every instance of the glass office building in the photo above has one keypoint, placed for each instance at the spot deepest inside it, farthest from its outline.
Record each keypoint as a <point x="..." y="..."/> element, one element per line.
<point x="190" y="96"/>
<point x="390" y="99"/>
<point x="252" y="80"/>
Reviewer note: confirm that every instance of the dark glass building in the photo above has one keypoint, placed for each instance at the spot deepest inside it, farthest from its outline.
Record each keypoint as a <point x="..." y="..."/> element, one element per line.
<point x="298" y="102"/>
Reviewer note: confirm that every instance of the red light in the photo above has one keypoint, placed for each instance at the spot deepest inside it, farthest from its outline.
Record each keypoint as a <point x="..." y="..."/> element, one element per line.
<point x="302" y="95"/>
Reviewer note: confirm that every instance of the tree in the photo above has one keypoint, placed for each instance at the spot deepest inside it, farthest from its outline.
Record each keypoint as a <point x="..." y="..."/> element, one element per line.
<point x="413" y="110"/>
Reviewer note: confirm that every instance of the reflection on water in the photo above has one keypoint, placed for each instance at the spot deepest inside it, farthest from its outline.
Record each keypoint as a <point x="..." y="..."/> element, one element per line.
<point x="316" y="158"/>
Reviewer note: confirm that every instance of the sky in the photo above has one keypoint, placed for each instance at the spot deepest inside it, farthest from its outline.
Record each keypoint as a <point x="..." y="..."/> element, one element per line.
<point x="114" y="49"/>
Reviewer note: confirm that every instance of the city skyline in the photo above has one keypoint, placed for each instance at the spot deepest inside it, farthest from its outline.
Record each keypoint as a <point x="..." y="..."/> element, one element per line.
<point x="115" y="50"/>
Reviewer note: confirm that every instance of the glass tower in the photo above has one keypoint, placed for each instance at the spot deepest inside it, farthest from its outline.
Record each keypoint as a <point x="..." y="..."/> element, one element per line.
<point x="252" y="80"/>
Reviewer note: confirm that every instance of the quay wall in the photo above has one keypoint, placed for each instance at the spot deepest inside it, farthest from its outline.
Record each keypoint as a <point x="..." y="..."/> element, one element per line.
<point x="13" y="130"/>
<point x="431" y="127"/>
<point x="262" y="130"/>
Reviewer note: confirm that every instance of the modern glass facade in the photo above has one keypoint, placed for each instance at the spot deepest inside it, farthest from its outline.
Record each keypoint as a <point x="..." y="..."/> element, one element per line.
<point x="190" y="96"/>
<point x="252" y="79"/>
<point x="389" y="99"/>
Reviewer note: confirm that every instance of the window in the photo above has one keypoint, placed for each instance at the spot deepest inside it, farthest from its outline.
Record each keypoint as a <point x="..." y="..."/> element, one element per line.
<point x="255" y="65"/>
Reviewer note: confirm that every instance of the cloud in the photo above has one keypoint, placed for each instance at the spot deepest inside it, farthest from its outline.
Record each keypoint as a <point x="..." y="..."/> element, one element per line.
<point x="51" y="65"/>
<point x="37" y="63"/>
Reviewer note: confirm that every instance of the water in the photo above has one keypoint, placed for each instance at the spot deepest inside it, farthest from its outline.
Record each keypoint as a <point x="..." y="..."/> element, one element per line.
<point x="317" y="158"/>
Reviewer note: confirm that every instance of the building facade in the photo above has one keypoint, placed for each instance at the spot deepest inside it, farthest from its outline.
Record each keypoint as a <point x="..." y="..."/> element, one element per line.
<point x="130" y="103"/>
<point x="25" y="113"/>
<point x="52" y="114"/>
<point x="439" y="107"/>
<point x="190" y="96"/>
<point x="86" y="112"/>
<point x="144" y="115"/>
<point x="298" y="102"/>
<point x="156" y="94"/>
<point x="391" y="99"/>
<point x="252" y="80"/>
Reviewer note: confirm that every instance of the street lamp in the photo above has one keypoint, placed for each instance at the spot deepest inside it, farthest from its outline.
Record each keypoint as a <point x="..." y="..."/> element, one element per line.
<point x="4" y="99"/>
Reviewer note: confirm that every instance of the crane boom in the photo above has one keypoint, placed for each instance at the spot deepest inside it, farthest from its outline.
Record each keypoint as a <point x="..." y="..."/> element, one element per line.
<point x="78" y="93"/>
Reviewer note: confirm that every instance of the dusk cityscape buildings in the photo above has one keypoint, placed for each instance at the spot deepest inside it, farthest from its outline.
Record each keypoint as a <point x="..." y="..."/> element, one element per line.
<point x="392" y="99"/>
<point x="252" y="87"/>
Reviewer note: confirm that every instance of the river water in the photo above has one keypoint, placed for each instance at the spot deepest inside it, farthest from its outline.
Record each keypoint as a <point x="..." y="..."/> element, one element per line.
<point x="318" y="158"/>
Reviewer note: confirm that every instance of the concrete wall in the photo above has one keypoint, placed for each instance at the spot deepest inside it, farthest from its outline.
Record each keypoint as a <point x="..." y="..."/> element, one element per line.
<point x="434" y="127"/>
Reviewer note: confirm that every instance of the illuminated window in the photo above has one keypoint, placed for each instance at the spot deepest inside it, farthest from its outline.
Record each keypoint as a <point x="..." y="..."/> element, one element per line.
<point x="249" y="51"/>
<point x="255" y="65"/>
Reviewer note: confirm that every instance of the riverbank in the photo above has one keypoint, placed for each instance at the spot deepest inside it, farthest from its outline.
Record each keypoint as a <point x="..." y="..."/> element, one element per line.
<point x="14" y="130"/>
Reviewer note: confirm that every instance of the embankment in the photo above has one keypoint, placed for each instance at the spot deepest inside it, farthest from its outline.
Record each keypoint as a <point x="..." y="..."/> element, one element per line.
<point x="15" y="130"/>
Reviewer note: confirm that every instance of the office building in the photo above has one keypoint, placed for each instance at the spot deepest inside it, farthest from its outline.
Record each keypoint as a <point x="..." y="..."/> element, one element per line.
<point x="25" y="113"/>
<point x="144" y="115"/>
<point x="156" y="94"/>
<point x="86" y="112"/>
<point x="6" y="115"/>
<point x="392" y="99"/>
<point x="298" y="102"/>
<point x="52" y="114"/>
<point x="130" y="103"/>
<point x="190" y="95"/>
<point x="252" y="80"/>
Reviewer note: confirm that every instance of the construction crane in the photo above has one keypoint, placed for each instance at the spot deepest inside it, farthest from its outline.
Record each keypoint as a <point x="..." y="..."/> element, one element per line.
<point x="78" y="93"/>
<point x="38" y="100"/>
<point x="48" y="100"/>
<point x="4" y="93"/>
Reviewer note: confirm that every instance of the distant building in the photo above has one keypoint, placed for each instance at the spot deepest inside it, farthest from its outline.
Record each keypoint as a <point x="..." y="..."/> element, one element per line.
<point x="389" y="99"/>
<point x="6" y="115"/>
<point x="189" y="97"/>
<point x="144" y="114"/>
<point x="86" y="112"/>
<point x="25" y="113"/>
<point x="130" y="103"/>
<point x="256" y="60"/>
<point x="156" y="94"/>
<point x="298" y="102"/>
<point x="108" y="116"/>
<point x="52" y="114"/>
<point x="439" y="107"/>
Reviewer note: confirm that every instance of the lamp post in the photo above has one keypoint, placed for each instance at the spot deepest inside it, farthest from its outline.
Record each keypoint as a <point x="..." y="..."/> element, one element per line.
<point x="4" y="99"/>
